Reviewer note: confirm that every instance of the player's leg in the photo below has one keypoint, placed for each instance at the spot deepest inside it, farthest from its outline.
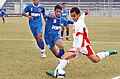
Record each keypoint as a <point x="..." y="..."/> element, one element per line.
<point x="51" y="45"/>
<point x="55" y="51"/>
<point x="59" y="43"/>
<point x="40" y="43"/>
<point x="96" y="58"/>
<point x="67" y="33"/>
<point x="3" y="19"/>
<point x="62" y="32"/>
<point x="62" y="63"/>
<point x="37" y="33"/>
<point x="64" y="58"/>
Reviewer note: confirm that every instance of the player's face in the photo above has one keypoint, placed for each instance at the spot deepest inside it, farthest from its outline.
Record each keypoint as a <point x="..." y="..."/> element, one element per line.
<point x="2" y="6"/>
<point x="64" y="5"/>
<point x="75" y="16"/>
<point x="36" y="2"/>
<point x="58" y="12"/>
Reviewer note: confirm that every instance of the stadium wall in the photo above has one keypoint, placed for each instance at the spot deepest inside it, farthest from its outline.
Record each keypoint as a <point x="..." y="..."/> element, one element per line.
<point x="95" y="8"/>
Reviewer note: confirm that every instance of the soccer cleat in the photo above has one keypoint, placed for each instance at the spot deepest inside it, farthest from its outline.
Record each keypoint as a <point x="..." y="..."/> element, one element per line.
<point x="51" y="73"/>
<point x="68" y="39"/>
<point x="111" y="52"/>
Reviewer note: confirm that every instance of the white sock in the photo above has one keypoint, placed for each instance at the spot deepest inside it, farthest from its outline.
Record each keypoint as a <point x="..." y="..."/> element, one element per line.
<point x="67" y="36"/>
<point x="102" y="55"/>
<point x="42" y="50"/>
<point x="62" y="64"/>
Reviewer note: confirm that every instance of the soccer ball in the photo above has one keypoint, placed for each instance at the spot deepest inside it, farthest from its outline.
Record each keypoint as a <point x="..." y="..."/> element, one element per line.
<point x="60" y="73"/>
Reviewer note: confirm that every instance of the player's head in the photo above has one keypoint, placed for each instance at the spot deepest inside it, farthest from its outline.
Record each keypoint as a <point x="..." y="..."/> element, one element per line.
<point x="2" y="6"/>
<point x="36" y="2"/>
<point x="58" y="10"/>
<point x="64" y="5"/>
<point x="75" y="13"/>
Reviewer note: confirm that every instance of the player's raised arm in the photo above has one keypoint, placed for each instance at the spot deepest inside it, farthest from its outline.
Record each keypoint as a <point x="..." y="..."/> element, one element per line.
<point x="86" y="12"/>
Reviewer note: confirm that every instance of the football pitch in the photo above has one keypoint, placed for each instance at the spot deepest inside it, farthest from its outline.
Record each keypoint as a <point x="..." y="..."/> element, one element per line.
<point x="20" y="57"/>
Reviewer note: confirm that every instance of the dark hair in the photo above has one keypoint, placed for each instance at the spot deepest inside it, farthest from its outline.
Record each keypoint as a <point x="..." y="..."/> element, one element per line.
<point x="58" y="7"/>
<point x="64" y="3"/>
<point x="76" y="10"/>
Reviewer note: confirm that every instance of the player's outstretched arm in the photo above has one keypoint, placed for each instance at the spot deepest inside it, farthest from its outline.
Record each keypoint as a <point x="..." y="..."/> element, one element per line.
<point x="47" y="16"/>
<point x="70" y="22"/>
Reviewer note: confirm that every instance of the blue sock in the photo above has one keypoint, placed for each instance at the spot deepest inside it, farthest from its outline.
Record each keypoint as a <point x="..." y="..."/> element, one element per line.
<point x="67" y="33"/>
<point x="62" y="33"/>
<point x="40" y="45"/>
<point x="61" y="52"/>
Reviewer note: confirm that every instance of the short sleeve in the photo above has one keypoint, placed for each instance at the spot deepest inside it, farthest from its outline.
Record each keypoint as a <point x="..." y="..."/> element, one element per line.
<point x="43" y="11"/>
<point x="26" y="9"/>
<point x="82" y="16"/>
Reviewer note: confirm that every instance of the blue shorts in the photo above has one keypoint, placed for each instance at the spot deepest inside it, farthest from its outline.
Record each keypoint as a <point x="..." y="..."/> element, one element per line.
<point x="64" y="24"/>
<point x="50" y="40"/>
<point x="36" y="29"/>
<point x="2" y="14"/>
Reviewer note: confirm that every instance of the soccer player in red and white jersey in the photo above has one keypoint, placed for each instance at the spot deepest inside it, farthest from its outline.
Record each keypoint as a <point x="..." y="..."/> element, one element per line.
<point x="81" y="43"/>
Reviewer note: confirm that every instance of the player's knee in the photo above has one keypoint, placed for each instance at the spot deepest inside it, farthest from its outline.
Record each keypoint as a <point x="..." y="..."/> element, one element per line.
<point x="62" y="28"/>
<point x="64" y="57"/>
<point x="95" y="60"/>
<point x="67" y="28"/>
<point x="39" y="38"/>
<point x="61" y="47"/>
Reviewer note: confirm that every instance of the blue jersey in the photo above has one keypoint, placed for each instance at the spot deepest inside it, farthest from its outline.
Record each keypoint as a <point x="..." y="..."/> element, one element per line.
<point x="64" y="13"/>
<point x="35" y="12"/>
<point x="52" y="27"/>
<point x="3" y="10"/>
<point x="53" y="24"/>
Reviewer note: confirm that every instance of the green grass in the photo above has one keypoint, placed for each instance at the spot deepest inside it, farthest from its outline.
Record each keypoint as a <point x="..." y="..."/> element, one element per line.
<point x="20" y="57"/>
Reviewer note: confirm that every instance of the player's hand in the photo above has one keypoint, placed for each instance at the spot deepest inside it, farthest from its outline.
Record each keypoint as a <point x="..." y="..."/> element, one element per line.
<point x="30" y="17"/>
<point x="86" y="11"/>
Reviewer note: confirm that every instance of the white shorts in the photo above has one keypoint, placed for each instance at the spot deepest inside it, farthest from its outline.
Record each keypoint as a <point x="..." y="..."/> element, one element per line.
<point x="86" y="50"/>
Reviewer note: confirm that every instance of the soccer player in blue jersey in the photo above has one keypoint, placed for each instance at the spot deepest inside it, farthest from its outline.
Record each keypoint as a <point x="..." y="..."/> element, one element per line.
<point x="52" y="27"/>
<point x="3" y="10"/>
<point x="64" y="24"/>
<point x="35" y="21"/>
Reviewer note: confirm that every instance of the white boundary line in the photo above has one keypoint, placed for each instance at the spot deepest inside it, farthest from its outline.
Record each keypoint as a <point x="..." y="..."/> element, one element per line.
<point x="15" y="39"/>
<point x="118" y="77"/>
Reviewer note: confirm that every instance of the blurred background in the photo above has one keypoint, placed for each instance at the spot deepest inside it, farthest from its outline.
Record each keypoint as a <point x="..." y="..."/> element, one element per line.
<point x="96" y="7"/>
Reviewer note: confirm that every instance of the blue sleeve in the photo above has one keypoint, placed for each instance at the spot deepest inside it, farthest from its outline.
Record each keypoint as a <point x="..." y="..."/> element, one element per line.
<point x="63" y="19"/>
<point x="5" y="9"/>
<point x="70" y="22"/>
<point x="47" y="16"/>
<point x="26" y="9"/>
<point x="43" y="11"/>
